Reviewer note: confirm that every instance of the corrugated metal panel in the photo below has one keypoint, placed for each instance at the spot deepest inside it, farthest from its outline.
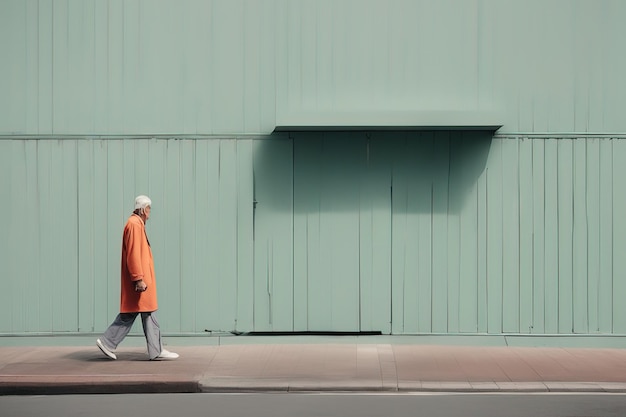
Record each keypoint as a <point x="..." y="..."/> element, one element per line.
<point x="342" y="233"/>
<point x="232" y="67"/>
<point x="39" y="226"/>
<point x="478" y="245"/>
<point x="403" y="232"/>
<point x="115" y="67"/>
<point x="409" y="232"/>
<point x="533" y="247"/>
<point x="64" y="206"/>
<point x="275" y="291"/>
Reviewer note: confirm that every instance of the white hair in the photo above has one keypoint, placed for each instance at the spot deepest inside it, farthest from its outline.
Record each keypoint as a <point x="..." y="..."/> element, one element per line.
<point x="141" y="202"/>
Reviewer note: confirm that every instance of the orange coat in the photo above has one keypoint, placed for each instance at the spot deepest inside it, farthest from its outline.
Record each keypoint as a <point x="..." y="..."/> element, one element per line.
<point x="137" y="264"/>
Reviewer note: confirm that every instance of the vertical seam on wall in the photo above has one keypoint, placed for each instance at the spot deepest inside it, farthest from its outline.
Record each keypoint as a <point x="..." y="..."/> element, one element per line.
<point x="612" y="241"/>
<point x="532" y="244"/>
<point x="573" y="244"/>
<point x="254" y="203"/>
<point x="293" y="240"/>
<point x="181" y="150"/>
<point x="52" y="69"/>
<point x="195" y="229"/>
<point x="542" y="243"/>
<point x="502" y="239"/>
<point x="586" y="219"/>
<point x="78" y="246"/>
<point x="432" y="210"/>
<point x="485" y="244"/>
<point x="93" y="233"/>
<point x="446" y="276"/>
<point x="359" y="269"/>
<point x="235" y="247"/>
<point x="244" y="58"/>
<point x="558" y="242"/>
<point x="519" y="238"/>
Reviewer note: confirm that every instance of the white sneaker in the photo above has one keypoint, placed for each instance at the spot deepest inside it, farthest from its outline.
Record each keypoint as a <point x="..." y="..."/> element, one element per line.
<point x="166" y="355"/>
<point x="105" y="350"/>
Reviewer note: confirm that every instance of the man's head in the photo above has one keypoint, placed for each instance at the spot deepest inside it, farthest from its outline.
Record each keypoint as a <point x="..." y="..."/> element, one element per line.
<point x="142" y="207"/>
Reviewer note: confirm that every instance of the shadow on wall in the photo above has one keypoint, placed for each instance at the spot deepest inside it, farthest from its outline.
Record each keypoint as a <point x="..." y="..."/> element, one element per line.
<point x="412" y="171"/>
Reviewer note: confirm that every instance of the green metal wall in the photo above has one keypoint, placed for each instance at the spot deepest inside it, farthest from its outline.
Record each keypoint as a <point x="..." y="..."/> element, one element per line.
<point x="402" y="232"/>
<point x="407" y="232"/>
<point x="111" y="67"/>
<point x="530" y="245"/>
<point x="65" y="203"/>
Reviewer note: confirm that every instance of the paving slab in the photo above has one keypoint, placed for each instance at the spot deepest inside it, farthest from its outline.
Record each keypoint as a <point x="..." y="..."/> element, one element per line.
<point x="336" y="367"/>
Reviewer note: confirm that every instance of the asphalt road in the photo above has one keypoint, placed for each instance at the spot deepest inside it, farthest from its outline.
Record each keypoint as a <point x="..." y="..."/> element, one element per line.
<point x="316" y="405"/>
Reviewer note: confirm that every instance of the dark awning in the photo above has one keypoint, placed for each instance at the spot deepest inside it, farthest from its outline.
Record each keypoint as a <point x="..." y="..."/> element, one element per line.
<point x="417" y="120"/>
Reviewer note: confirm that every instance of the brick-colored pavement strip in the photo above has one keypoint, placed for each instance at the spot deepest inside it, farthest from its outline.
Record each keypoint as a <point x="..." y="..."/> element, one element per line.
<point x="62" y="370"/>
<point x="510" y="368"/>
<point x="312" y="367"/>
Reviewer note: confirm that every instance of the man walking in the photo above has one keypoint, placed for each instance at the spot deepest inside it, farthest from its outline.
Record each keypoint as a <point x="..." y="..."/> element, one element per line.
<point x="138" y="288"/>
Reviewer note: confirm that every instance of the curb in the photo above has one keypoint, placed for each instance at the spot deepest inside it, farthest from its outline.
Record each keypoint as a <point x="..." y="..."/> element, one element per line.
<point x="71" y="388"/>
<point x="285" y="386"/>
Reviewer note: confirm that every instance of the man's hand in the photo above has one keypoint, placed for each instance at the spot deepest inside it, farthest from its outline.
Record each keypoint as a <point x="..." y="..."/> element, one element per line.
<point x="140" y="286"/>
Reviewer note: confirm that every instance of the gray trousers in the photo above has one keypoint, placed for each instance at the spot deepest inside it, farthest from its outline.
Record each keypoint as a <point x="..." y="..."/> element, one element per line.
<point x="118" y="330"/>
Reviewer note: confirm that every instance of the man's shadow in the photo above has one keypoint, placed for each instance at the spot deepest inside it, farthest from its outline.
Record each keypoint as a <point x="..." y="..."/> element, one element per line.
<point x="93" y="355"/>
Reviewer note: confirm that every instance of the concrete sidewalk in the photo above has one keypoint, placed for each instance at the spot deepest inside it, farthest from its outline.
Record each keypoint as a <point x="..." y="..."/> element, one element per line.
<point x="332" y="367"/>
